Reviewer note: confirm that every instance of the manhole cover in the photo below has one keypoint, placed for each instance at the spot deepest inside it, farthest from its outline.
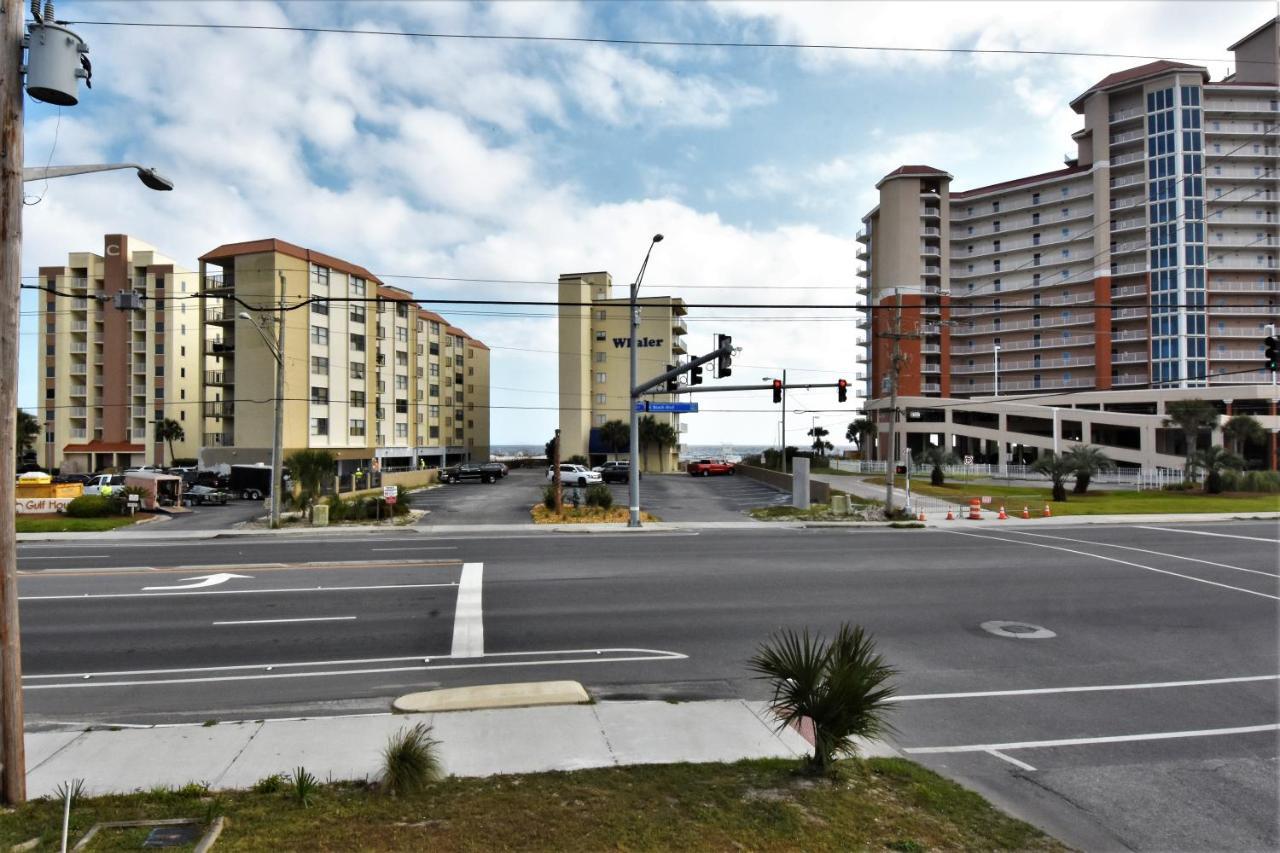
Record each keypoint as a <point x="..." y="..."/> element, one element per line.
<point x="1017" y="630"/>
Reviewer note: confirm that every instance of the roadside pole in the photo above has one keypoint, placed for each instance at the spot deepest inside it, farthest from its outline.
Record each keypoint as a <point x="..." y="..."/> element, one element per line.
<point x="13" y="772"/>
<point x="891" y="461"/>
<point x="277" y="441"/>
<point x="555" y="476"/>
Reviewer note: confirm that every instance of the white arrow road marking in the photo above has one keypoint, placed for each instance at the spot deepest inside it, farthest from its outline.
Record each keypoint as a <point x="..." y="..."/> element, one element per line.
<point x="468" y="615"/>
<point x="201" y="581"/>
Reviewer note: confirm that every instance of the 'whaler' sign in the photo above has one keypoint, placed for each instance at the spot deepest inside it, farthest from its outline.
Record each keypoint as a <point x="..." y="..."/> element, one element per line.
<point x="619" y="343"/>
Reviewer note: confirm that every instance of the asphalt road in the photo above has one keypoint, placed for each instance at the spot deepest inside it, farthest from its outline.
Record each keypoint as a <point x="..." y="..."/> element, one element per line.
<point x="670" y="497"/>
<point x="1147" y="720"/>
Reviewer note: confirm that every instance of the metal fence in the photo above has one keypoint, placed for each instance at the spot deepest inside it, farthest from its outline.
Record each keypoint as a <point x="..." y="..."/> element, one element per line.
<point x="1144" y="478"/>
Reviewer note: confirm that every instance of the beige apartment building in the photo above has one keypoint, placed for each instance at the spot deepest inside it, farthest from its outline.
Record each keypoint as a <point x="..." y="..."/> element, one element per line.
<point x="1148" y="264"/>
<point x="369" y="375"/>
<point x="595" y="366"/>
<point x="108" y="373"/>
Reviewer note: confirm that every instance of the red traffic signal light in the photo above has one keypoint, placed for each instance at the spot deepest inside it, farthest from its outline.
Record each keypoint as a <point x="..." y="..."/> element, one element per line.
<point x="777" y="390"/>
<point x="842" y="390"/>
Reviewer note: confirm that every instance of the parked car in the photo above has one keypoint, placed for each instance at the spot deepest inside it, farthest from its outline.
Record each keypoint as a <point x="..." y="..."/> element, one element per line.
<point x="469" y="471"/>
<point x="104" y="484"/>
<point x="707" y="467"/>
<point x="497" y="469"/>
<point x="575" y="475"/>
<point x="615" y="472"/>
<point x="204" y="495"/>
<point x="82" y="479"/>
<point x="150" y="469"/>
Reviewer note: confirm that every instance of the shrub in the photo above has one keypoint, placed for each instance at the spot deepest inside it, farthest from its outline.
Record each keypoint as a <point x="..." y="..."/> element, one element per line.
<point x="401" y="506"/>
<point x="549" y="495"/>
<point x="303" y="786"/>
<point x="90" y="506"/>
<point x="269" y="784"/>
<point x="1184" y="486"/>
<point x="599" y="495"/>
<point x="1260" y="481"/>
<point x="577" y="459"/>
<point x="121" y="498"/>
<point x="339" y="509"/>
<point x="410" y="761"/>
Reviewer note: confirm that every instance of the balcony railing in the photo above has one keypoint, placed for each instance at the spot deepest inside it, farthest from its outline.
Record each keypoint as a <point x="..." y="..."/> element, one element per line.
<point x="216" y="283"/>
<point x="862" y="236"/>
<point x="1214" y="105"/>
<point x="78" y="390"/>
<point x="217" y="377"/>
<point x="930" y="211"/>
<point x="1127" y="137"/>
<point x="1250" y="198"/>
<point x="1217" y="285"/>
<point x="1130" y="335"/>
<point x="219" y="409"/>
<point x="1012" y="346"/>
<point x="79" y="304"/>
<point x="1242" y="264"/>
<point x="216" y="439"/>
<point x="1044" y="323"/>
<point x="1258" y="310"/>
<point x="1025" y="385"/>
<point x="1262" y="377"/>
<point x="1128" y="224"/>
<point x="1129" y="290"/>
<point x="1125" y="114"/>
<point x="1123" y="379"/>
<point x="1236" y="355"/>
<point x="79" y="433"/>
<point x="218" y="315"/>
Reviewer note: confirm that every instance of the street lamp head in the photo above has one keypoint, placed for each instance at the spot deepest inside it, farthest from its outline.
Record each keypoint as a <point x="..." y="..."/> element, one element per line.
<point x="154" y="181"/>
<point x="244" y="315"/>
<point x="657" y="238"/>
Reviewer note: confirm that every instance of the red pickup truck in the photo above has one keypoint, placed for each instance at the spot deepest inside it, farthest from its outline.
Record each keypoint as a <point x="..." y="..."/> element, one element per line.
<point x="707" y="467"/>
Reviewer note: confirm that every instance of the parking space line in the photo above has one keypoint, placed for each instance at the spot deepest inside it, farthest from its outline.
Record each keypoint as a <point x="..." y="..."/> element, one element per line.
<point x="1146" y="551"/>
<point x="1206" y="533"/>
<point x="1121" y="562"/>
<point x="1091" y="688"/>
<point x="1022" y="765"/>
<point x="1089" y="741"/>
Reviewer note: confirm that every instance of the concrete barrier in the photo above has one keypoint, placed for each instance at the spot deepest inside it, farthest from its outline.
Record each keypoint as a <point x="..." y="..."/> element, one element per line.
<point x="411" y="479"/>
<point x="819" y="493"/>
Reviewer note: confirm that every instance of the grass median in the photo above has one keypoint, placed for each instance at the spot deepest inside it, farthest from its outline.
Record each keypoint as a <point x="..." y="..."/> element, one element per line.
<point x="1098" y="502"/>
<point x="66" y="524"/>
<point x="758" y="805"/>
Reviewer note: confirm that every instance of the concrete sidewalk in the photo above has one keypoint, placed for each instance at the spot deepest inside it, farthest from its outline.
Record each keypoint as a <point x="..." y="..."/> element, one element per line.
<point x="472" y="743"/>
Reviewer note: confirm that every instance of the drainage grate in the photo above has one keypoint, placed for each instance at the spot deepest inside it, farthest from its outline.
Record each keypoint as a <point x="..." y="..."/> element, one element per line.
<point x="1017" y="630"/>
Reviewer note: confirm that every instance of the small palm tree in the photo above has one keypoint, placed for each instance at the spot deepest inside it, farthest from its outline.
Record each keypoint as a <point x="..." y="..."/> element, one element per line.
<point x="1243" y="430"/>
<point x="28" y="432"/>
<point x="1089" y="461"/>
<point x="1190" y="416"/>
<point x="661" y="433"/>
<point x="168" y="430"/>
<point x="1056" y="468"/>
<point x="861" y="432"/>
<point x="310" y="468"/>
<point x="841" y="688"/>
<point x="938" y="457"/>
<point x="616" y="435"/>
<point x="820" y="444"/>
<point x="1213" y="460"/>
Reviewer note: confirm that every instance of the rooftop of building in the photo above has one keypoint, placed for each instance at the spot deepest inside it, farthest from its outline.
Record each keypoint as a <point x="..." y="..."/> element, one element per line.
<point x="273" y="244"/>
<point x="914" y="172"/>
<point x="1017" y="182"/>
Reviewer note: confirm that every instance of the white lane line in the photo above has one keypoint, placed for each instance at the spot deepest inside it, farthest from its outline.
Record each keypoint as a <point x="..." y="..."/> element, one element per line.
<point x="1092" y="688"/>
<point x="420" y="548"/>
<point x="1009" y="758"/>
<point x="1088" y="741"/>
<point x="468" y="615"/>
<point x="1121" y="562"/>
<point x="1206" y="533"/>
<point x="69" y="557"/>
<point x="281" y="621"/>
<point x="1146" y="551"/>
<point x="595" y="656"/>
<point x="90" y="596"/>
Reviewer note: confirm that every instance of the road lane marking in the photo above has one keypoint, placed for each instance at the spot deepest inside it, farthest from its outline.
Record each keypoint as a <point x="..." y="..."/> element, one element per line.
<point x="1092" y="688"/>
<point x="200" y="581"/>
<point x="281" y="621"/>
<point x="70" y="557"/>
<point x="420" y="548"/>
<point x="1009" y="758"/>
<point x="591" y="656"/>
<point x="1146" y="551"/>
<point x="468" y="614"/>
<point x="90" y="596"/>
<point x="328" y="565"/>
<point x="1206" y="533"/>
<point x="1114" y="560"/>
<point x="1088" y="741"/>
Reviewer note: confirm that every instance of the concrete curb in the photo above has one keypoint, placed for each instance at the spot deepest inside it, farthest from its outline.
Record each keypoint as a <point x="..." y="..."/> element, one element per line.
<point x="525" y="694"/>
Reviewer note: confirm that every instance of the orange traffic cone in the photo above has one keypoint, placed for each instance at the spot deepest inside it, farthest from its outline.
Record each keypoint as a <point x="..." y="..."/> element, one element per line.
<point x="950" y="515"/>
<point x="920" y="517"/>
<point x="1002" y="516"/>
<point x="1048" y="513"/>
<point x="1025" y="512"/>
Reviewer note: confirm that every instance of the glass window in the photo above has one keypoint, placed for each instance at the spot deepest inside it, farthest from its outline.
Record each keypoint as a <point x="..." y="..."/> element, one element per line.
<point x="357" y="370"/>
<point x="357" y="343"/>
<point x="319" y="365"/>
<point x="319" y="426"/>
<point x="320" y="336"/>
<point x="356" y="426"/>
<point x="319" y="395"/>
<point x="357" y="399"/>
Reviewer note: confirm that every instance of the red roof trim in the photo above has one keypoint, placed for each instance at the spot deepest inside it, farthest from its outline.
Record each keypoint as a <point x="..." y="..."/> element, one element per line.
<point x="272" y="244"/>
<point x="1135" y="75"/>
<point x="1031" y="179"/>
<point x="914" y="172"/>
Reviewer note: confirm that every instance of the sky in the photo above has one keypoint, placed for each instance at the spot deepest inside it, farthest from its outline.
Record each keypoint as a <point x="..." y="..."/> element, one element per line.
<point x="424" y="158"/>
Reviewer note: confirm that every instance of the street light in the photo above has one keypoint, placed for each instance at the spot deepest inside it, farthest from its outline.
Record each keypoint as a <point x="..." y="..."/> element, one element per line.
<point x="150" y="177"/>
<point x="782" y="430"/>
<point x="277" y="443"/>
<point x="633" y="477"/>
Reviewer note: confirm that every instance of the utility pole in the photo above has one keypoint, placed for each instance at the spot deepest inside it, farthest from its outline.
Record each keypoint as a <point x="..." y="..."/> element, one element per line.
<point x="13" y="764"/>
<point x="277" y="442"/>
<point x="890" y="465"/>
<point x="784" y="421"/>
<point x="555" y="474"/>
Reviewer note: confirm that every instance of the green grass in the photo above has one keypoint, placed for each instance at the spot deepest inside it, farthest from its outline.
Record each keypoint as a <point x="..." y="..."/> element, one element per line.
<point x="1098" y="502"/>
<point x="754" y="805"/>
<point x="63" y="524"/>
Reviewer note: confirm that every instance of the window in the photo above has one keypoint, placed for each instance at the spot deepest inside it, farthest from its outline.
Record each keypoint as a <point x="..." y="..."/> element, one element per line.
<point x="319" y="426"/>
<point x="435" y="369"/>
<point x="1066" y="191"/>
<point x="320" y="308"/>
<point x="602" y="357"/>
<point x="402" y="358"/>
<point x="357" y="370"/>
<point x="602" y="378"/>
<point x="434" y="391"/>
<point x="600" y="334"/>
<point x="433" y="412"/>
<point x="357" y="343"/>
<point x="434" y="348"/>
<point x="356" y="426"/>
<point x="1035" y="259"/>
<point x="319" y="365"/>
<point x="319" y="395"/>
<point x="320" y="336"/>
<point x="601" y="315"/>
<point x="995" y="207"/>
<point x="319" y="278"/>
<point x="602" y="399"/>
<point x="402" y="332"/>
<point x="1035" y="219"/>
<point x="434" y="432"/>
<point x="357" y="313"/>
<point x="357" y="399"/>
<point x="402" y="383"/>
<point x="995" y="225"/>
<point x="402" y="430"/>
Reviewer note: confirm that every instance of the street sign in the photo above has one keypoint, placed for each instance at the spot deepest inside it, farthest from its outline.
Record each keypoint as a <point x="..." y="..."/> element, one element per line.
<point x="968" y="460"/>
<point x="389" y="493"/>
<point x="391" y="501"/>
<point x="986" y="499"/>
<point x="674" y="408"/>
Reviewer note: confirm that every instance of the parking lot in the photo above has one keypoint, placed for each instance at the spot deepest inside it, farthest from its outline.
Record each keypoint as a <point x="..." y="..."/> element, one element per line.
<point x="670" y="497"/>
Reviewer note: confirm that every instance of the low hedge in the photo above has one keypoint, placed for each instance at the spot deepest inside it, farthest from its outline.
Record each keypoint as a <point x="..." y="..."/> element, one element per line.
<point x="91" y="506"/>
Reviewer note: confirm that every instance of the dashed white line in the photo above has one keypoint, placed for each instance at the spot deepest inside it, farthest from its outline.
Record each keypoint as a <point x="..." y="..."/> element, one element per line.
<point x="420" y="548"/>
<point x="69" y="557"/>
<point x="1206" y="533"/>
<point x="1088" y="741"/>
<point x="468" y="616"/>
<point x="90" y="596"/>
<point x="282" y="621"/>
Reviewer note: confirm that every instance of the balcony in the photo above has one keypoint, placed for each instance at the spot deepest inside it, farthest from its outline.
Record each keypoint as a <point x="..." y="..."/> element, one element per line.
<point x="1234" y="332"/>
<point x="1261" y="377"/>
<point x="216" y="284"/>
<point x="216" y="439"/>
<point x="1044" y="323"/>
<point x="138" y="412"/>
<point x="1129" y="335"/>
<point x="1141" y="356"/>
<point x="1236" y="355"/>
<point x="1126" y="159"/>
<point x="931" y="388"/>
<point x="1125" y="115"/>
<point x="78" y="412"/>
<point x="930" y="231"/>
<point x="1251" y="198"/>
<point x="863" y="273"/>
<point x="79" y="369"/>
<point x="1215" y="105"/>
<point x="1122" y="380"/>
<point x="1127" y="181"/>
<point x="219" y="409"/>
<point x="1239" y="263"/>
<point x="1014" y="346"/>
<point x="863" y="236"/>
<point x="218" y="377"/>
<point x="1217" y="285"/>
<point x="219" y="315"/>
<point x="1227" y="217"/>
<point x="1132" y="247"/>
<point x="1242" y="154"/>
<point x="1128" y="269"/>
<point x="1250" y="310"/>
<point x="678" y="344"/>
<point x="79" y="304"/>
<point x="1128" y="137"/>
<point x="1130" y="290"/>
<point x="138" y="435"/>
<point x="929" y="269"/>
<point x="1243" y="241"/>
<point x="1127" y="202"/>
<point x="79" y="433"/>
<point x="931" y="251"/>
<point x="862" y="254"/>
<point x="78" y="390"/>
<point x="931" y="368"/>
<point x="1129" y="313"/>
<point x="220" y="348"/>
<point x="1118" y="225"/>
<point x="929" y="212"/>
<point x="139" y="368"/>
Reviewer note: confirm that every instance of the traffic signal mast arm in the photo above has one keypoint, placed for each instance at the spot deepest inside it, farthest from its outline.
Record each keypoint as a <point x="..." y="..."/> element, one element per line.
<point x="687" y="389"/>
<point x="651" y="385"/>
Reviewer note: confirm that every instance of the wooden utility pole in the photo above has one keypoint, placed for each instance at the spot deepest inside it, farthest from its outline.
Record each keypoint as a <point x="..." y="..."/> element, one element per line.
<point x="13" y="765"/>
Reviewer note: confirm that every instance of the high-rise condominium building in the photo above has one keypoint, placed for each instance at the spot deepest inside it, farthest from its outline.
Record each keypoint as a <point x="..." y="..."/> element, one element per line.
<point x="368" y="374"/>
<point x="108" y="374"/>
<point x="1147" y="265"/>
<point x="595" y="367"/>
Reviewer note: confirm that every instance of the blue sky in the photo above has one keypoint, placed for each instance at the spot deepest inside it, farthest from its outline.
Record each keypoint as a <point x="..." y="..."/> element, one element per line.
<point x="512" y="160"/>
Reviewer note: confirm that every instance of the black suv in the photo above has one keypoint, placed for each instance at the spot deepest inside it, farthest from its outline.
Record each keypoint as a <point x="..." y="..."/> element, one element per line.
<point x="615" y="472"/>
<point x="468" y="471"/>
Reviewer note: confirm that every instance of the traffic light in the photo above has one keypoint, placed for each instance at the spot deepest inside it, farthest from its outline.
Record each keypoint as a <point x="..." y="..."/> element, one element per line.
<point x="1273" y="352"/>
<point x="723" y="364"/>
<point x="777" y="390"/>
<point x="695" y="375"/>
<point x="842" y="390"/>
<point x="673" y="384"/>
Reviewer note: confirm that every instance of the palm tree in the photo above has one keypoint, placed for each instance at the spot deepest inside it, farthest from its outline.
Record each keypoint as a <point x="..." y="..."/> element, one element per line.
<point x="860" y="432"/>
<point x="664" y="435"/>
<point x="1213" y="459"/>
<point x="820" y="444"/>
<point x="168" y="430"/>
<point x="1243" y="430"/>
<point x="28" y="432"/>
<point x="550" y="449"/>
<point x="938" y="457"/>
<point x="1056" y="468"/>
<point x="1088" y="461"/>
<point x="616" y="435"/>
<point x="1190" y="416"/>
<point x="310" y="468"/>
<point x="840" y="687"/>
